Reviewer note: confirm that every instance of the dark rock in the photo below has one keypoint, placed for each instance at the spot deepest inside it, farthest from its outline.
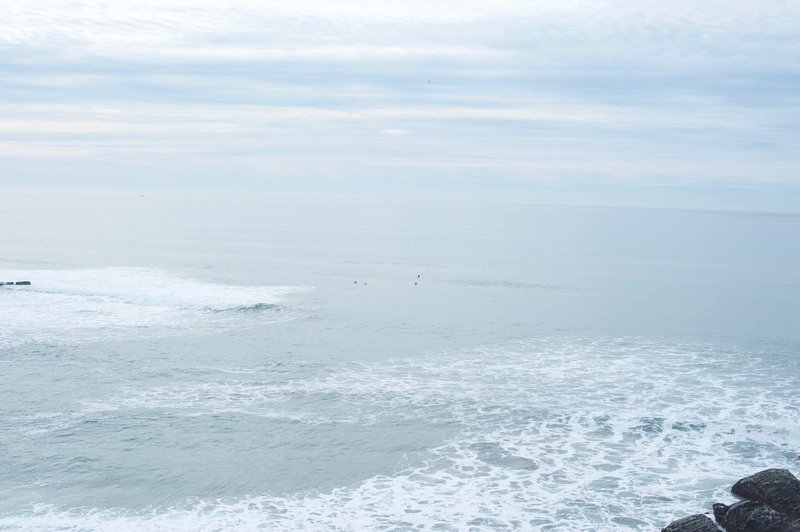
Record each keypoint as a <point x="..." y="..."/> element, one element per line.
<point x="23" y="283"/>
<point x="693" y="523"/>
<point x="750" y="516"/>
<point x="777" y="488"/>
<point x="720" y="511"/>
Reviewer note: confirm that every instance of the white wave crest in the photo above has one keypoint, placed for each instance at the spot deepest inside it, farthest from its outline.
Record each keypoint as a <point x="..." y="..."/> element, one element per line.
<point x="103" y="300"/>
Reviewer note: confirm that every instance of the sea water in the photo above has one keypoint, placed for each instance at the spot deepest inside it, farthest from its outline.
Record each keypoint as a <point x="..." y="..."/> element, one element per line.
<point x="224" y="361"/>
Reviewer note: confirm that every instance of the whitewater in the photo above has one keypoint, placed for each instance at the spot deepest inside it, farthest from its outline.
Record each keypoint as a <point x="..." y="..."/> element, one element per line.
<point x="215" y="363"/>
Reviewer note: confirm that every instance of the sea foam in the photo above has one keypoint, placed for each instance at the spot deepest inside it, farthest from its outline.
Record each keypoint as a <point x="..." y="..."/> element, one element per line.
<point x="555" y="434"/>
<point x="99" y="302"/>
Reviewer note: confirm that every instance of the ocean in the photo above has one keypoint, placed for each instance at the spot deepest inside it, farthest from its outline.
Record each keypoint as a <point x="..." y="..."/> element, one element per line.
<point x="221" y="361"/>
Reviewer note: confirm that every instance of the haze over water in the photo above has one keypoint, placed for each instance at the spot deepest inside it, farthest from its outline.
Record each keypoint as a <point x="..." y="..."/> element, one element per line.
<point x="206" y="361"/>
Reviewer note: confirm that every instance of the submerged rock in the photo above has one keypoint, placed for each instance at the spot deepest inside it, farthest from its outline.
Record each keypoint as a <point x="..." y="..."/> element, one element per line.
<point x="693" y="523"/>
<point x="777" y="488"/>
<point x="751" y="516"/>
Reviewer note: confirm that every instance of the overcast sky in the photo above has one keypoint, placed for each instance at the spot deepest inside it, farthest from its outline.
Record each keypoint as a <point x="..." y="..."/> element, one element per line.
<point x="646" y="102"/>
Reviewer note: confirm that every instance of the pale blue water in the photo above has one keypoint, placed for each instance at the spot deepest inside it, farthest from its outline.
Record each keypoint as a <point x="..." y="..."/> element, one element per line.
<point x="242" y="362"/>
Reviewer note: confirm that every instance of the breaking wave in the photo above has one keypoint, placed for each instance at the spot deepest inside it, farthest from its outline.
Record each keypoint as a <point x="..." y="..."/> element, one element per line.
<point x="65" y="304"/>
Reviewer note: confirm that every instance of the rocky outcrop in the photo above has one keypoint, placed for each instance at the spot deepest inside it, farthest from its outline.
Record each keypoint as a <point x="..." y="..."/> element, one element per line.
<point x="693" y="523"/>
<point x="771" y="504"/>
<point x="777" y="488"/>
<point x="752" y="516"/>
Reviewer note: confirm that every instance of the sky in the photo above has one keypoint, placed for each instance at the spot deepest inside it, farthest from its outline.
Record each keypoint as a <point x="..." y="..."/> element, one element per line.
<point x="689" y="104"/>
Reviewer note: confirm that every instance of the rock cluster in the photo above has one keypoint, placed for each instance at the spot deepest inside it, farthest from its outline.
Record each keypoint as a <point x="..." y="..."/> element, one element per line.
<point x="771" y="503"/>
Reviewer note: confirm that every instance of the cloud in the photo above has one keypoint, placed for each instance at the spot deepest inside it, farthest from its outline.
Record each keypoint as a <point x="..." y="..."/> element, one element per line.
<point x="620" y="88"/>
<point x="38" y="149"/>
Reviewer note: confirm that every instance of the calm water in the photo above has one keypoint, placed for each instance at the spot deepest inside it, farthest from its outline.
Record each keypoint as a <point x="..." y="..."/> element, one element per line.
<point x="213" y="362"/>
